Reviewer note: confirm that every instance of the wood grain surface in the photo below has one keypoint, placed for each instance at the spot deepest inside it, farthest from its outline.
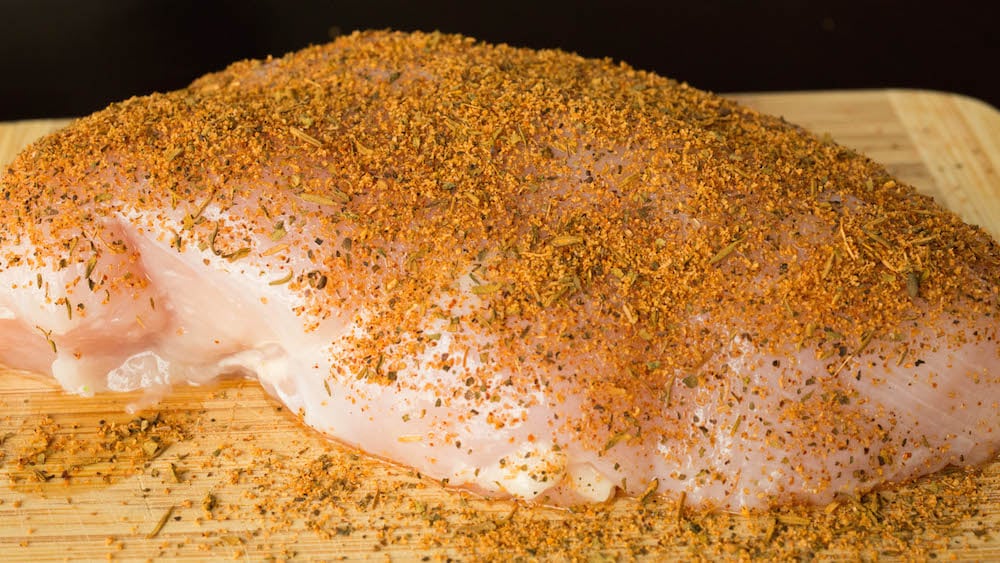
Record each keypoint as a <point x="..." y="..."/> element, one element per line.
<point x="225" y="472"/>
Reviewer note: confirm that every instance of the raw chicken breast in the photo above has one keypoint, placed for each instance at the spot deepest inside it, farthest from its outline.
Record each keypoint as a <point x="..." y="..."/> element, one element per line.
<point x="521" y="272"/>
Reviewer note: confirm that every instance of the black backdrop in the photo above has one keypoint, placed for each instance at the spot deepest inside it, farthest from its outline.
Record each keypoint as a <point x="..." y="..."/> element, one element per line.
<point x="60" y="58"/>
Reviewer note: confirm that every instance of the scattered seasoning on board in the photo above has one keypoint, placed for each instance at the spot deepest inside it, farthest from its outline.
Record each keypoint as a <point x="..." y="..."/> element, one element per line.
<point x="274" y="497"/>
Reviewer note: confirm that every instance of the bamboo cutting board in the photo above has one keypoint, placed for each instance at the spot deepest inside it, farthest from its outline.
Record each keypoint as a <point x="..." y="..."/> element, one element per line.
<point x="226" y="473"/>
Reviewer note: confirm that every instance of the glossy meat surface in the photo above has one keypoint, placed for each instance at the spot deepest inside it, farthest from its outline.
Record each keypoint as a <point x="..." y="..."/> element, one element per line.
<point x="523" y="272"/>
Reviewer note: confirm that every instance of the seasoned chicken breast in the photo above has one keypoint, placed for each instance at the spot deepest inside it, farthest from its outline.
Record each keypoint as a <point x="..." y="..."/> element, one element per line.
<point x="522" y="272"/>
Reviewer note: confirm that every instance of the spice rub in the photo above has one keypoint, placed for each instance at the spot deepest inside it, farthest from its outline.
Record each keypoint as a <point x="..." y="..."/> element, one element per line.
<point x="519" y="271"/>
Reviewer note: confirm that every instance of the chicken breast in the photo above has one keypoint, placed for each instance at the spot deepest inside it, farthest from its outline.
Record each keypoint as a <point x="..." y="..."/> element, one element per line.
<point x="521" y="272"/>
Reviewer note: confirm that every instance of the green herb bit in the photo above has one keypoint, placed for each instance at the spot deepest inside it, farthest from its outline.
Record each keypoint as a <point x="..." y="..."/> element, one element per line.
<point x="828" y="265"/>
<point x="832" y="334"/>
<point x="878" y="238"/>
<point x="485" y="289"/>
<point x="283" y="280"/>
<point x="153" y="448"/>
<point x="208" y="503"/>
<point x="306" y="137"/>
<point x="613" y="441"/>
<point x="566" y="240"/>
<point x="175" y="473"/>
<point x="556" y="296"/>
<point x="651" y="489"/>
<point x="922" y="240"/>
<point x="201" y="209"/>
<point x="48" y="338"/>
<point x="736" y="425"/>
<point x="91" y="264"/>
<point x="913" y="284"/>
<point x="237" y="254"/>
<point x="159" y="525"/>
<point x="866" y="338"/>
<point x="279" y="231"/>
<point x="722" y="254"/>
<point x="340" y="196"/>
<point x="668" y="395"/>
<point x="317" y="199"/>
<point x="793" y="520"/>
<point x="772" y="526"/>
<point x="317" y="280"/>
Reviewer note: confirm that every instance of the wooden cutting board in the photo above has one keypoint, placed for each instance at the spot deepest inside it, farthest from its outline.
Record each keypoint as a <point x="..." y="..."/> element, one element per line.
<point x="227" y="473"/>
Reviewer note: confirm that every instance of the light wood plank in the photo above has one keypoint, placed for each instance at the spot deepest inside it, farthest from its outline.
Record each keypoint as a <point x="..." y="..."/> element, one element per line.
<point x="222" y="438"/>
<point x="15" y="135"/>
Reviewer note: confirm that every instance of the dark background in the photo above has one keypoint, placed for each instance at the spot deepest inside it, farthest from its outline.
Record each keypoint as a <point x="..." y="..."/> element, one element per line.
<point x="62" y="58"/>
